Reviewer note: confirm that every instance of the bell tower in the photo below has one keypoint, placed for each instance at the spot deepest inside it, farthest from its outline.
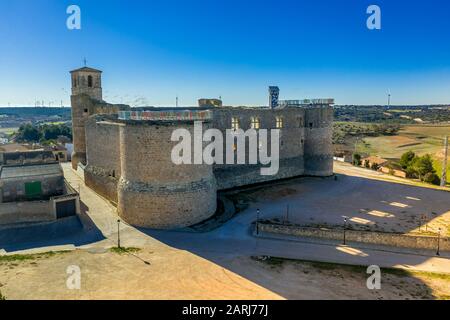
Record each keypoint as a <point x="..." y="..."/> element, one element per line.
<point x="87" y="81"/>
<point x="86" y="87"/>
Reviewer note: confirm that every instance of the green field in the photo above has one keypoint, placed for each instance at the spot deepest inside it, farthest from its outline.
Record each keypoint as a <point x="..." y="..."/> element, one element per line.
<point x="421" y="139"/>
<point x="8" y="131"/>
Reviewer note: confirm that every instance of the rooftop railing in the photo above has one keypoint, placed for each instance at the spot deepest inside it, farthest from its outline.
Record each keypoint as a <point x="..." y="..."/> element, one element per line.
<point x="305" y="102"/>
<point x="184" y="115"/>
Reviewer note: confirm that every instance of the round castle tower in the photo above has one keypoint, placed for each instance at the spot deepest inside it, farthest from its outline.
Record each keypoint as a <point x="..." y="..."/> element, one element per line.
<point x="153" y="192"/>
<point x="86" y="86"/>
<point x="318" y="151"/>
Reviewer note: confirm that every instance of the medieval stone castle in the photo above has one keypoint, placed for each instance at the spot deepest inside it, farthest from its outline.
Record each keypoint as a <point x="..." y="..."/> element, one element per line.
<point x="125" y="153"/>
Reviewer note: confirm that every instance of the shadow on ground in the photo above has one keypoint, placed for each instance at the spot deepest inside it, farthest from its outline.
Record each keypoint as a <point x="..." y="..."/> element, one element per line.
<point x="76" y="231"/>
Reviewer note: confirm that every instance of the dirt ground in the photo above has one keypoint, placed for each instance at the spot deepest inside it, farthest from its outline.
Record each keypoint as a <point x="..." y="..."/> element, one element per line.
<point x="172" y="274"/>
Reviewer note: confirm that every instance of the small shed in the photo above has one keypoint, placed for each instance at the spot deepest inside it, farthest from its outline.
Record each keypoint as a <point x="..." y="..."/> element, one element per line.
<point x="31" y="182"/>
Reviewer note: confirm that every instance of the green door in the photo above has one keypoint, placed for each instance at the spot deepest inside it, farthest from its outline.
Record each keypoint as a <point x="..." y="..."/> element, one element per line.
<point x="33" y="190"/>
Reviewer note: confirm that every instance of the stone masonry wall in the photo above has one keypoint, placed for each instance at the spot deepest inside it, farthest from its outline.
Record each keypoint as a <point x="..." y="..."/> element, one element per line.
<point x="103" y="171"/>
<point x="387" y="239"/>
<point x="292" y="141"/>
<point x="26" y="212"/>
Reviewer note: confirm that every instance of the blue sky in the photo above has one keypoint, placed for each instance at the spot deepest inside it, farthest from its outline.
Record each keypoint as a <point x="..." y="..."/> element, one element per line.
<point x="152" y="51"/>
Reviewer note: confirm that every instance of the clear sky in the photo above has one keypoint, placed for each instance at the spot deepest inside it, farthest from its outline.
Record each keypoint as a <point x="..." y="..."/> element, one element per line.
<point x="151" y="51"/>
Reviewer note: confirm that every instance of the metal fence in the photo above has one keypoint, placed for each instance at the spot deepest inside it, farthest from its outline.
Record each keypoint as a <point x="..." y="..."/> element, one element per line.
<point x="184" y="115"/>
<point x="305" y="102"/>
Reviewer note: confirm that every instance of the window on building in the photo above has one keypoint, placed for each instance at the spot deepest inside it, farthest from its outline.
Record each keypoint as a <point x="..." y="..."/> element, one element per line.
<point x="90" y="81"/>
<point x="300" y="122"/>
<point x="310" y="125"/>
<point x="85" y="110"/>
<point x="279" y="122"/>
<point x="235" y="123"/>
<point x="255" y="123"/>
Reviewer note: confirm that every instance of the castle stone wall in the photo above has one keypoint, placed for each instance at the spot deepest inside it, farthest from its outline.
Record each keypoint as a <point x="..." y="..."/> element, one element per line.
<point x="292" y="140"/>
<point x="83" y="106"/>
<point x="103" y="171"/>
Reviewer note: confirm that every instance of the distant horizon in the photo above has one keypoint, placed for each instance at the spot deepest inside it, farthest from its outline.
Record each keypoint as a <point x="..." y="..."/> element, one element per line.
<point x="150" y="53"/>
<point x="190" y="106"/>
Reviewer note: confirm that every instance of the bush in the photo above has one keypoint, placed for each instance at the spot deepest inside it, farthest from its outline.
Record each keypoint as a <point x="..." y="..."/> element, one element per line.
<point x="410" y="173"/>
<point x="367" y="164"/>
<point x="356" y="159"/>
<point x="432" y="178"/>
<point x="375" y="166"/>
<point x="2" y="297"/>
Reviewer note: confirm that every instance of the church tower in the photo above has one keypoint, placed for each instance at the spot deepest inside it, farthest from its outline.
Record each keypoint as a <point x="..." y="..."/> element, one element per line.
<point x="86" y="86"/>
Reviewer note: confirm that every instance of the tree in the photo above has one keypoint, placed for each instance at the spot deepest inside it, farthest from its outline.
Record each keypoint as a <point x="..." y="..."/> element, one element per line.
<point x="406" y="159"/>
<point x="52" y="132"/>
<point x="28" y="133"/>
<point x="45" y="134"/>
<point x="422" y="165"/>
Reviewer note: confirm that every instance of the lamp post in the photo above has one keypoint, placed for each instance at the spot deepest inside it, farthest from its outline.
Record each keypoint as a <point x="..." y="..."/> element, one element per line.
<point x="439" y="240"/>
<point x="345" y="228"/>
<point x="118" y="233"/>
<point x="257" y="221"/>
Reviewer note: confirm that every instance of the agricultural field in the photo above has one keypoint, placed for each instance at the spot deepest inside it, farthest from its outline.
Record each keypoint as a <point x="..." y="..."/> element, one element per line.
<point x="8" y="131"/>
<point x="421" y="139"/>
